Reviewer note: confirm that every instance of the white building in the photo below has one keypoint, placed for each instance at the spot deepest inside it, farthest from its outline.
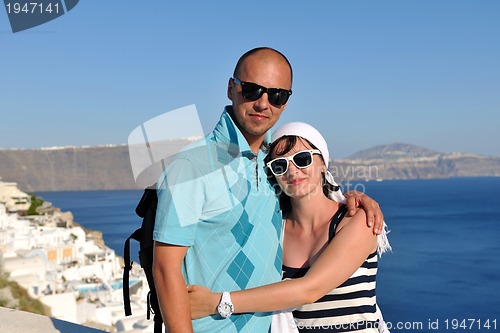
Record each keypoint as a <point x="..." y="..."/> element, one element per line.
<point x="78" y="279"/>
<point x="14" y="199"/>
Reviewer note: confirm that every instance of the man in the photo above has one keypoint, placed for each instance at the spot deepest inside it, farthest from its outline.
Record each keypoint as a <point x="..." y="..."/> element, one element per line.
<point x="218" y="221"/>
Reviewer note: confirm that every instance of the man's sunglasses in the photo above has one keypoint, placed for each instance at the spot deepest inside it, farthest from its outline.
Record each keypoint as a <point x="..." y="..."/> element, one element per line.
<point x="253" y="91"/>
<point x="301" y="159"/>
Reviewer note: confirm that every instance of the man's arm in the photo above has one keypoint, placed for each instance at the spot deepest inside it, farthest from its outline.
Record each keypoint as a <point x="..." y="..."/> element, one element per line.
<point x="171" y="287"/>
<point x="374" y="216"/>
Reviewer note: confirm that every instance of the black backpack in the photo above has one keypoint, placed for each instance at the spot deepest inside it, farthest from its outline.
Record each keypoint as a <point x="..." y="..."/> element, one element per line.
<point x="146" y="209"/>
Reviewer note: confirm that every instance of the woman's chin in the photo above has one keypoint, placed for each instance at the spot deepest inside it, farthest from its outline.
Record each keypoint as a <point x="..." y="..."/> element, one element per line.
<point x="297" y="194"/>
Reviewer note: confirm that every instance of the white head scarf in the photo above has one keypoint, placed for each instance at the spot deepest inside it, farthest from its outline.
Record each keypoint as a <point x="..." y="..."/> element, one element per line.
<point x="312" y="135"/>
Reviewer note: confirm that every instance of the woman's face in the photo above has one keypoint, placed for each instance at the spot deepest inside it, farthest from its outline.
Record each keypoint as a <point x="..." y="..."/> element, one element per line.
<point x="301" y="182"/>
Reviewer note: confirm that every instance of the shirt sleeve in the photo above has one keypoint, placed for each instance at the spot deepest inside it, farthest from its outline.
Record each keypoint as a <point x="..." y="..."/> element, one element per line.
<point x="181" y="193"/>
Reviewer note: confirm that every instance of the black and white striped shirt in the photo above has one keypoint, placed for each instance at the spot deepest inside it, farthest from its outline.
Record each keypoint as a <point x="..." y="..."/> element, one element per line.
<point x="351" y="307"/>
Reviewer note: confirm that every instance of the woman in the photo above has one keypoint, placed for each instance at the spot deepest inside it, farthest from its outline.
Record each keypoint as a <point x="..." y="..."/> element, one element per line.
<point x="329" y="260"/>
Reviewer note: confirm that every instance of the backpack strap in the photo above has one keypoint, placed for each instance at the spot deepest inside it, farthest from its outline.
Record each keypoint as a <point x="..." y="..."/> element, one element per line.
<point x="128" y="266"/>
<point x="146" y="209"/>
<point x="158" y="325"/>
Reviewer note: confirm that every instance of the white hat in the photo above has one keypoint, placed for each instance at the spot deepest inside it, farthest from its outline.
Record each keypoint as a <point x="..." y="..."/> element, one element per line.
<point x="307" y="132"/>
<point x="312" y="135"/>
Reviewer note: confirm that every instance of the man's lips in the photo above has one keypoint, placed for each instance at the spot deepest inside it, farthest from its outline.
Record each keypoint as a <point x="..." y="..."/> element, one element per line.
<point x="258" y="116"/>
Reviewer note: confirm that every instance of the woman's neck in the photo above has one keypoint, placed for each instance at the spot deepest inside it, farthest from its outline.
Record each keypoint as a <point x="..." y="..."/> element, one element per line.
<point x="311" y="212"/>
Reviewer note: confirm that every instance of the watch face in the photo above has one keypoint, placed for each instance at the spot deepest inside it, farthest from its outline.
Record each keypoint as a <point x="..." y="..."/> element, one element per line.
<point x="225" y="309"/>
<point x="225" y="306"/>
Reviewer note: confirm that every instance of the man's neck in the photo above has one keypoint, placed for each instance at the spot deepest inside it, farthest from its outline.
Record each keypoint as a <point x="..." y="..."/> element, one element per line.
<point x="254" y="141"/>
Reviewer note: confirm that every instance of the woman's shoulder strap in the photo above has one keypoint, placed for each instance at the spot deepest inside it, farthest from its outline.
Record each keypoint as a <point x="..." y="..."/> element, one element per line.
<point x="337" y="217"/>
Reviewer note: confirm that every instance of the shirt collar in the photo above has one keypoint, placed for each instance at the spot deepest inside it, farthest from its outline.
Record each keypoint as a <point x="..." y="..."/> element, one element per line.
<point x="226" y="130"/>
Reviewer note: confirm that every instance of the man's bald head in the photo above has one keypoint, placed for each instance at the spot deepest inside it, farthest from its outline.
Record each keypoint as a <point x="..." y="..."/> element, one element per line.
<point x="264" y="54"/>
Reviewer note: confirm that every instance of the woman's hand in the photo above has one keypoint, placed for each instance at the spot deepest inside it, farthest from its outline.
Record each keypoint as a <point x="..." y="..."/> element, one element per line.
<point x="203" y="301"/>
<point x="374" y="216"/>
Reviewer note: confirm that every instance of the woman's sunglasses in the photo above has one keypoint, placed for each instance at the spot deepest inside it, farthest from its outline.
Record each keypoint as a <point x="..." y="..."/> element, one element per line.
<point x="301" y="159"/>
<point x="253" y="91"/>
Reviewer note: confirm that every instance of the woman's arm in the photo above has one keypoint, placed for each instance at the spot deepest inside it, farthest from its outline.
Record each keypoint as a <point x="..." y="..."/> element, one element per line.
<point x="341" y="258"/>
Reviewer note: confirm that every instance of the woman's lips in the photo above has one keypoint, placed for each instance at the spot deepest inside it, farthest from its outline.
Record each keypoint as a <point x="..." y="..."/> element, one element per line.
<point x="295" y="182"/>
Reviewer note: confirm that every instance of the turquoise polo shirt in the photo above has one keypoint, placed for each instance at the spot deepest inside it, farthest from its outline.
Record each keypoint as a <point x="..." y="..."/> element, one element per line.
<point x="215" y="198"/>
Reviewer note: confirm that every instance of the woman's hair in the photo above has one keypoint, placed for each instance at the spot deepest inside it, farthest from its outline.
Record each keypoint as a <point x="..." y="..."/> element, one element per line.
<point x="281" y="147"/>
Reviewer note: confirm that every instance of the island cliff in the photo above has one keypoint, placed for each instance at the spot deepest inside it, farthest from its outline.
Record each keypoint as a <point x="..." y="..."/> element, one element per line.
<point x="109" y="168"/>
<point x="404" y="161"/>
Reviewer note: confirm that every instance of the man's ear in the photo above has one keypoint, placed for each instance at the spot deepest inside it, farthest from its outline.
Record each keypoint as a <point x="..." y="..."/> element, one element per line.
<point x="230" y="85"/>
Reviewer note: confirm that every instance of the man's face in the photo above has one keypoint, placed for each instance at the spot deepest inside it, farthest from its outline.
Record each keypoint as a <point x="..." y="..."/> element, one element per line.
<point x="255" y="118"/>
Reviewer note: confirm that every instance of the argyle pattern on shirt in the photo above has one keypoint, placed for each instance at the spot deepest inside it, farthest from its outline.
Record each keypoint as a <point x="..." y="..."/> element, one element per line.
<point x="215" y="198"/>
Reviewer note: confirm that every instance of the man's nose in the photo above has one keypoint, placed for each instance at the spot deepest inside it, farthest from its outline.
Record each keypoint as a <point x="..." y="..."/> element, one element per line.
<point x="262" y="103"/>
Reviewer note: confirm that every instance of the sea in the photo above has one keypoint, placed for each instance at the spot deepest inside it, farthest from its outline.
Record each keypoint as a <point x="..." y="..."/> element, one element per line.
<point x="443" y="274"/>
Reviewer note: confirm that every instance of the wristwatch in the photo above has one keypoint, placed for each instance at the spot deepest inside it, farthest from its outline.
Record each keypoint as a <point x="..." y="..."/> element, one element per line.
<point x="225" y="307"/>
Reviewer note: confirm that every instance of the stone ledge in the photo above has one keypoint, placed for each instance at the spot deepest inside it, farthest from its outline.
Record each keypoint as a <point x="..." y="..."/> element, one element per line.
<point x="15" y="321"/>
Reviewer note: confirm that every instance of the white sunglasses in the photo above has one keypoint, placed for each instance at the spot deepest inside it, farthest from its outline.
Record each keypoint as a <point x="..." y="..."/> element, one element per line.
<point x="301" y="159"/>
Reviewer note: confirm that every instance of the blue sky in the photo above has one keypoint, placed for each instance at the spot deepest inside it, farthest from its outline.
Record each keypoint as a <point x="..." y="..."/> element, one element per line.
<point x="424" y="72"/>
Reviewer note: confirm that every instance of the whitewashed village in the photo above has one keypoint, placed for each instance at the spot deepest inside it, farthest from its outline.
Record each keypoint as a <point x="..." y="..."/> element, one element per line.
<point x="67" y="268"/>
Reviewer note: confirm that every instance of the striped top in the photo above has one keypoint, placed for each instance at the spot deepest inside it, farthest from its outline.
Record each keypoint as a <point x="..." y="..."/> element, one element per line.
<point x="351" y="307"/>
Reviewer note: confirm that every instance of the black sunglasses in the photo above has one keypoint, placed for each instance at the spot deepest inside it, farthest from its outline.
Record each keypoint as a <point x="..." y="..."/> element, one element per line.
<point x="253" y="91"/>
<point x="301" y="159"/>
